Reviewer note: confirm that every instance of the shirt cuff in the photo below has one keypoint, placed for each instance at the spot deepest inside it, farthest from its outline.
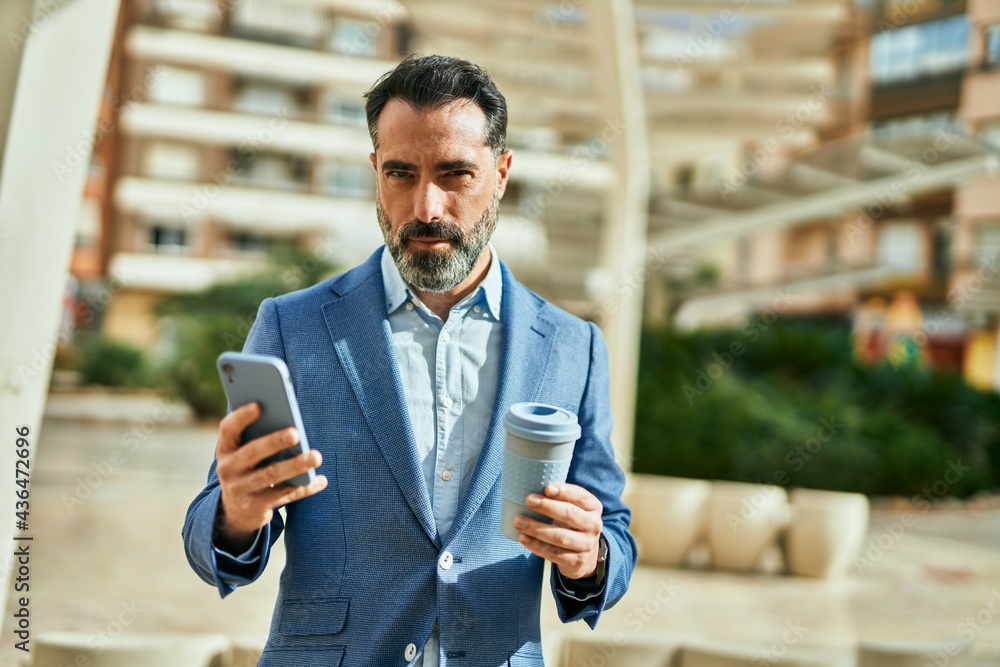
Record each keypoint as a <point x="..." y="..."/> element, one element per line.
<point x="580" y="590"/>
<point x="249" y="556"/>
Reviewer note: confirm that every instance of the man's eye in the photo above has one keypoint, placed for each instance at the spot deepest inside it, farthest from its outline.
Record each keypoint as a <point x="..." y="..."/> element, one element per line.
<point x="459" y="172"/>
<point x="397" y="174"/>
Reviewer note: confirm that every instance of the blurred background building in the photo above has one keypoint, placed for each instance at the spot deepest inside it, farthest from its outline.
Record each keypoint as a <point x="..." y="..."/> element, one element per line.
<point x="839" y="151"/>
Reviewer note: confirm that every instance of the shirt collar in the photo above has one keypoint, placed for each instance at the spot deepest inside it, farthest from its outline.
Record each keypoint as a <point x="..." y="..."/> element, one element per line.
<point x="397" y="291"/>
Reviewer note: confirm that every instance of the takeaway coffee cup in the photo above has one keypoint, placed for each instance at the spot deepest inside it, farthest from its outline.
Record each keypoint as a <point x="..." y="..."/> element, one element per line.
<point x="537" y="451"/>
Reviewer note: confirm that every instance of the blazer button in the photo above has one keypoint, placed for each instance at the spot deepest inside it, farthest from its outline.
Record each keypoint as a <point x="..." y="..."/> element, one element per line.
<point x="446" y="560"/>
<point x="411" y="652"/>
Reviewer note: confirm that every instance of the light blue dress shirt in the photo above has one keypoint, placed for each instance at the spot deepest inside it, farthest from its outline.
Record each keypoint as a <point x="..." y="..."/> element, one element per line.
<point x="449" y="371"/>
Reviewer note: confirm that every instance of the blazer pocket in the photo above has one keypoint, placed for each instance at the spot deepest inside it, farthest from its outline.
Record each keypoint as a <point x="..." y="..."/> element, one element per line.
<point x="313" y="616"/>
<point x="327" y="657"/>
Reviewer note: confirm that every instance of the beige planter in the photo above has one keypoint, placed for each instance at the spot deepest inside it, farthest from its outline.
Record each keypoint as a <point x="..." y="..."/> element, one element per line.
<point x="826" y="531"/>
<point x="668" y="515"/>
<point x="953" y="653"/>
<point x="247" y="650"/>
<point x="57" y="649"/>
<point x="743" y="521"/>
<point x="758" y="656"/>
<point x="585" y="651"/>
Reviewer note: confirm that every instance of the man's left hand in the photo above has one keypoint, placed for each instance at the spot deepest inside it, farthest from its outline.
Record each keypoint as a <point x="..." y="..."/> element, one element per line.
<point x="571" y="542"/>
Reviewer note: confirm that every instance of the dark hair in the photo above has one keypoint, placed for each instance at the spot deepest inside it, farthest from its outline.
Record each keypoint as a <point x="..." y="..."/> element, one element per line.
<point x="430" y="82"/>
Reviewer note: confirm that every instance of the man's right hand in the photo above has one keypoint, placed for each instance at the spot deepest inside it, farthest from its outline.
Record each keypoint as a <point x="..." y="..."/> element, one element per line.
<point x="250" y="494"/>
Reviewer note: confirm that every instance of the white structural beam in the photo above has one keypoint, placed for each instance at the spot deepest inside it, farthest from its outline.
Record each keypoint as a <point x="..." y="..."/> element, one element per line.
<point x="272" y="133"/>
<point x="55" y="111"/>
<point x="624" y="229"/>
<point x="812" y="12"/>
<point x="806" y="69"/>
<point x="736" y="304"/>
<point x="13" y="18"/>
<point x="253" y="58"/>
<point x="828" y="203"/>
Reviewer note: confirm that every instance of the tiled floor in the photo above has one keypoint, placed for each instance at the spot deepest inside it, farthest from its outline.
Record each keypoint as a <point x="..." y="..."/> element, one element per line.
<point x="104" y="540"/>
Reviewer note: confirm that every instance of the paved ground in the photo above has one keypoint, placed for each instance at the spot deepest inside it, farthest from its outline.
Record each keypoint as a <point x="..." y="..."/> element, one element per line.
<point x="107" y="533"/>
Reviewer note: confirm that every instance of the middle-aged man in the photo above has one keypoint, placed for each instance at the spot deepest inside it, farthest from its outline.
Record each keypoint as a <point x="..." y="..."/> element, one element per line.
<point x="404" y="368"/>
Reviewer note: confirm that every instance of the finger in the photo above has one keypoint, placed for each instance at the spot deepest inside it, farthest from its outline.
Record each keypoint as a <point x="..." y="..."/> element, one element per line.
<point x="282" y="495"/>
<point x="270" y="476"/>
<point x="557" y="536"/>
<point x="575" y="494"/>
<point x="232" y="426"/>
<point x="252" y="453"/>
<point x="566" y="513"/>
<point x="544" y="549"/>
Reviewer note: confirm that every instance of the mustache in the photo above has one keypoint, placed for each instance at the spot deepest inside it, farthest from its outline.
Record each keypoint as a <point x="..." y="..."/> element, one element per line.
<point x="430" y="230"/>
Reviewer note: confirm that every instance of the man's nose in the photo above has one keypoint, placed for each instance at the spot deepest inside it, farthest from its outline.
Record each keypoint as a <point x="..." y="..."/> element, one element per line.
<point x="430" y="201"/>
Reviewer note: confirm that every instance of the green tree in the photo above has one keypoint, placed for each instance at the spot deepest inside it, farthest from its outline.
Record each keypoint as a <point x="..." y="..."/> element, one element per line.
<point x="217" y="319"/>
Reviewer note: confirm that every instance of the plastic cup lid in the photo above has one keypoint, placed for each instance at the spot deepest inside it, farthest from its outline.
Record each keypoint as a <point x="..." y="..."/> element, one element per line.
<point x="542" y="422"/>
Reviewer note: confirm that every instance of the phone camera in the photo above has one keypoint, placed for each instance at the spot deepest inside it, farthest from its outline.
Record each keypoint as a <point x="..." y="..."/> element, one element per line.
<point x="228" y="368"/>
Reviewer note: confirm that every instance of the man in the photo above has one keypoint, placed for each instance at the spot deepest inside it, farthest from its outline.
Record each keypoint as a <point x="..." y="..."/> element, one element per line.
<point x="404" y="368"/>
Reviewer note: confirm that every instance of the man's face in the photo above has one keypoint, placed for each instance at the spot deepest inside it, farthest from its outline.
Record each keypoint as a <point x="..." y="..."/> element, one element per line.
<point x="439" y="190"/>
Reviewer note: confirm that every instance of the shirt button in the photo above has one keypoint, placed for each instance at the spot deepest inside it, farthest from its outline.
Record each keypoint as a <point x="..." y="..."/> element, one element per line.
<point x="445" y="337"/>
<point x="446" y="401"/>
<point x="446" y="475"/>
<point x="409" y="306"/>
<point x="411" y="652"/>
<point x="477" y="309"/>
<point x="446" y="560"/>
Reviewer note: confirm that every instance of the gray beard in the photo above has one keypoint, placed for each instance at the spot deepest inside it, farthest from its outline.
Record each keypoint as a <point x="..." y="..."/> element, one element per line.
<point x="435" y="270"/>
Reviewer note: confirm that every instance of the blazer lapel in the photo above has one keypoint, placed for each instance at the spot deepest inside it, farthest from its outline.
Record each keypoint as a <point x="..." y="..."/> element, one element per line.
<point x="526" y="342"/>
<point x="363" y="341"/>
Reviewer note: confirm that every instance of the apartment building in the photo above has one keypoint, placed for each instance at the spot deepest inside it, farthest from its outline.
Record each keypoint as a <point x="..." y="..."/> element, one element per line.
<point x="232" y="128"/>
<point x="889" y="214"/>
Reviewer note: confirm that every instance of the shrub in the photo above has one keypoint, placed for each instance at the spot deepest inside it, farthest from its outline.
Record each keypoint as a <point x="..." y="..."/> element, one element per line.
<point x="217" y="320"/>
<point x="794" y="408"/>
<point x="112" y="364"/>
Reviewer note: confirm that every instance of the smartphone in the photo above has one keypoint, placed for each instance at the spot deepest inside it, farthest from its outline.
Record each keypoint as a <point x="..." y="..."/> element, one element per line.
<point x="249" y="378"/>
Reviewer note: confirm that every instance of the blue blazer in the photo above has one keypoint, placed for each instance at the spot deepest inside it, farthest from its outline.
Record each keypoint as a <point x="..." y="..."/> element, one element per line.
<point x="363" y="577"/>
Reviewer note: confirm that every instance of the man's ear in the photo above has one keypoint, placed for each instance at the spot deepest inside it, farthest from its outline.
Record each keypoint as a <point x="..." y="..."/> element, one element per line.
<point x="371" y="158"/>
<point x="503" y="170"/>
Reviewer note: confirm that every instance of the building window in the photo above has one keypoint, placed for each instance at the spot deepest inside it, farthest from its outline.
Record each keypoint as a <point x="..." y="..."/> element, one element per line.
<point x="168" y="160"/>
<point x="684" y="178"/>
<point x="277" y="22"/>
<point x="270" y="170"/>
<point x="987" y="248"/>
<point x="355" y="37"/>
<point x="993" y="45"/>
<point x="926" y="49"/>
<point x="189" y="15"/>
<point x="247" y="243"/>
<point x="177" y="85"/>
<point x="267" y="97"/>
<point x="901" y="245"/>
<point x="168" y="239"/>
<point x="916" y="125"/>
<point x="346" y="111"/>
<point x="349" y="180"/>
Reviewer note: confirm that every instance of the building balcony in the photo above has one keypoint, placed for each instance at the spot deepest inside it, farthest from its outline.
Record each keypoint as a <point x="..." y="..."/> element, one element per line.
<point x="797" y="290"/>
<point x="176" y="273"/>
<point x="240" y="56"/>
<point x="351" y="223"/>
<point x="248" y="132"/>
